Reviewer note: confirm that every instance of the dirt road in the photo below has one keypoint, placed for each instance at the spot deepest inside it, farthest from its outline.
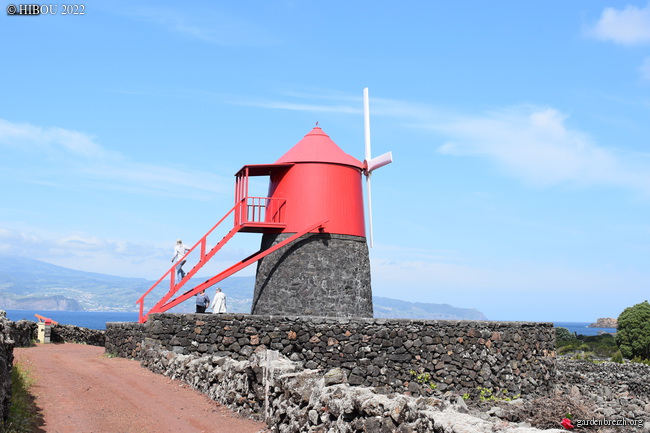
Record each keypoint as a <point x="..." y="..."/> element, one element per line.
<point x="81" y="390"/>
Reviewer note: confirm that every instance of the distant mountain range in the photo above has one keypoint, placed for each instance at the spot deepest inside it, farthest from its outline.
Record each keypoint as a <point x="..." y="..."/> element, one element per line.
<point x="36" y="285"/>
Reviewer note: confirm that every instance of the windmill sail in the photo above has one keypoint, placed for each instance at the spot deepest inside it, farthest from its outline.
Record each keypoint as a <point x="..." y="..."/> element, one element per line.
<point x="371" y="163"/>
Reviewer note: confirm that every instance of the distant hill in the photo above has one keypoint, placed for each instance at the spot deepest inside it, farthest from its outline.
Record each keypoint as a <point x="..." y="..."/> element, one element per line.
<point x="33" y="284"/>
<point x="396" y="309"/>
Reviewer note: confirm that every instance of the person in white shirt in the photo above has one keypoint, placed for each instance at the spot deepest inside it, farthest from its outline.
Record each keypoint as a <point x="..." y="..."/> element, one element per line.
<point x="179" y="251"/>
<point x="219" y="302"/>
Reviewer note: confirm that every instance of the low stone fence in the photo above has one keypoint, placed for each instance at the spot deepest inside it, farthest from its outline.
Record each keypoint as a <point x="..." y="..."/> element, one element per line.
<point x="25" y="332"/>
<point x="617" y="391"/>
<point x="291" y="399"/>
<point x="124" y="339"/>
<point x="417" y="357"/>
<point x="6" y="362"/>
<point x="76" y="334"/>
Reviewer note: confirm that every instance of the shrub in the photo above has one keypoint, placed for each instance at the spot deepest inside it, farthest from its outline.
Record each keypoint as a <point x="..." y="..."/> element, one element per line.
<point x="617" y="357"/>
<point x="633" y="333"/>
<point x="566" y="349"/>
<point x="546" y="412"/>
<point x="563" y="335"/>
<point x="601" y="346"/>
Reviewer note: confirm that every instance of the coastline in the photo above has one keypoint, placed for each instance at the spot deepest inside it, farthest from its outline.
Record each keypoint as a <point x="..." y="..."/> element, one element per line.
<point x="98" y="319"/>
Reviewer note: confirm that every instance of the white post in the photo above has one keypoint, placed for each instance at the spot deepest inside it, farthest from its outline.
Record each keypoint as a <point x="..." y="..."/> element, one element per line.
<point x="44" y="332"/>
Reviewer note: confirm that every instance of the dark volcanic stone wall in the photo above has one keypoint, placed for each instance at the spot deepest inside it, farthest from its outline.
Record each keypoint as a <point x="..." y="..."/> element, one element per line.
<point x="317" y="275"/>
<point x="125" y="339"/>
<point x="6" y="362"/>
<point x="76" y="334"/>
<point x="23" y="332"/>
<point x="384" y="353"/>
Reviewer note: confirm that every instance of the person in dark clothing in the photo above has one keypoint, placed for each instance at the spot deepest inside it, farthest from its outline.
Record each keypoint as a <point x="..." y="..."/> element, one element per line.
<point x="202" y="302"/>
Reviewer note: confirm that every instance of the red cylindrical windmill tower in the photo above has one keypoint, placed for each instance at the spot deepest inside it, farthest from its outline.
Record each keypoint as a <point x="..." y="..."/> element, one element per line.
<point x="325" y="272"/>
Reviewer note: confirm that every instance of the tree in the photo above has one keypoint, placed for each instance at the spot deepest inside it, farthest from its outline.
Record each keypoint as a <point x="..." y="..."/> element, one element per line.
<point x="633" y="333"/>
<point x="563" y="334"/>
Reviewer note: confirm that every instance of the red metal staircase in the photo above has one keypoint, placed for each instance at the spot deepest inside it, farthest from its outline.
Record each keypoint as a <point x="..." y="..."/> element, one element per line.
<point x="251" y="214"/>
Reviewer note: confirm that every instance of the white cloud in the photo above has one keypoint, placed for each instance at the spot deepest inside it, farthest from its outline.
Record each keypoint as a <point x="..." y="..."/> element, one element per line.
<point x="32" y="244"/>
<point x="88" y="253"/>
<point x="518" y="291"/>
<point x="518" y="278"/>
<point x="30" y="137"/>
<point x="532" y="143"/>
<point x="209" y="26"/>
<point x="298" y="106"/>
<point x="337" y="102"/>
<point x="113" y="257"/>
<point x="65" y="157"/>
<point x="536" y="145"/>
<point x="629" y="26"/>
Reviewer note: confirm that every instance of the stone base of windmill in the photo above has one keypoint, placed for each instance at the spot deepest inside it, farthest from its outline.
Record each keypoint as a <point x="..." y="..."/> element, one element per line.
<point x="319" y="274"/>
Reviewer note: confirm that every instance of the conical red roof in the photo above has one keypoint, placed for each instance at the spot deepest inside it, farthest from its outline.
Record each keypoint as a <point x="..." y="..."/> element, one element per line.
<point x="318" y="147"/>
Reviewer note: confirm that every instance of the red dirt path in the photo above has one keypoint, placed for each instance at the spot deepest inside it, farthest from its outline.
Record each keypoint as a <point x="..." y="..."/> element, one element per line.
<point x="80" y="390"/>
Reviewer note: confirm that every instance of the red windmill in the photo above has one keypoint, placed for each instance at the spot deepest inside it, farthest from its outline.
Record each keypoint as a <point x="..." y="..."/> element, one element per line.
<point x="313" y="258"/>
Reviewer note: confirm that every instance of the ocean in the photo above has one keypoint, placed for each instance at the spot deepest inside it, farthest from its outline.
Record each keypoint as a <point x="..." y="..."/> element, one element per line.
<point x="582" y="328"/>
<point x="85" y="319"/>
<point x="98" y="319"/>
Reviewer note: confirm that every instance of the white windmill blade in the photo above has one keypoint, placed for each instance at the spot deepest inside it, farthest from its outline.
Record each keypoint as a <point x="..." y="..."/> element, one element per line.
<point x="366" y="122"/>
<point x="369" y="197"/>
<point x="366" y="136"/>
<point x="371" y="163"/>
<point x="379" y="161"/>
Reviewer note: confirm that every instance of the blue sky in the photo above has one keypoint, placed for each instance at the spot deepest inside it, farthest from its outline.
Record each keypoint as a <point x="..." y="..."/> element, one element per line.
<point x="520" y="131"/>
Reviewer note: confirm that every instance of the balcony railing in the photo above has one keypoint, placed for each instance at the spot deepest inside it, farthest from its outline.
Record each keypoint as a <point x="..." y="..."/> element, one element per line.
<point x="261" y="211"/>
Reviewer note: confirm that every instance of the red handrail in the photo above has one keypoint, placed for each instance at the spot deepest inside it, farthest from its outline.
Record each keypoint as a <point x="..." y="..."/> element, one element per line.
<point x="249" y="210"/>
<point x="173" y="287"/>
<point x="261" y="210"/>
<point x="45" y="319"/>
<point x="162" y="307"/>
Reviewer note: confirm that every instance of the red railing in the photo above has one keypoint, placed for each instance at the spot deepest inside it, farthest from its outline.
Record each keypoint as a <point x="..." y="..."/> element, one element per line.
<point x="249" y="211"/>
<point x="47" y="320"/>
<point x="262" y="210"/>
<point x="164" y="306"/>
<point x="204" y="257"/>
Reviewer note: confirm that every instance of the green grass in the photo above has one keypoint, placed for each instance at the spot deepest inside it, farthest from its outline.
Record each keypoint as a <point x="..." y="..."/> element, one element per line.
<point x="423" y="379"/>
<point x="24" y="415"/>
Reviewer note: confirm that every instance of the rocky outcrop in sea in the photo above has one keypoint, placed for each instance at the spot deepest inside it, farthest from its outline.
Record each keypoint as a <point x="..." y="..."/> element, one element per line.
<point x="605" y="322"/>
